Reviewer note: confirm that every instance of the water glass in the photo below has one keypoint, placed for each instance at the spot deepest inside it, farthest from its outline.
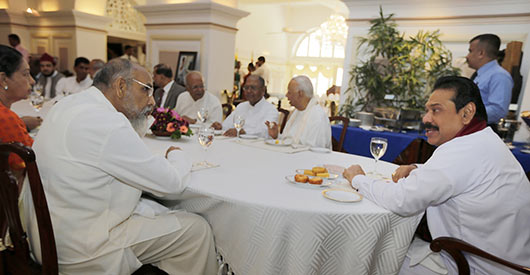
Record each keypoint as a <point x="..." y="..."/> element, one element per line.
<point x="378" y="148"/>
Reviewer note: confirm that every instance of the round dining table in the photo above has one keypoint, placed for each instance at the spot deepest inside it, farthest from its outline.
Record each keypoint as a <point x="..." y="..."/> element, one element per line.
<point x="265" y="224"/>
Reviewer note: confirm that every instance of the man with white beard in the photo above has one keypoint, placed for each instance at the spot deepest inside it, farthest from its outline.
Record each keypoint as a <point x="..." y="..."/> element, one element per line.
<point x="94" y="168"/>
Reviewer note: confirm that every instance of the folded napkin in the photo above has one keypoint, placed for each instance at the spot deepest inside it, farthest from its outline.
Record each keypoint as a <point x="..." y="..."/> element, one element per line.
<point x="258" y="143"/>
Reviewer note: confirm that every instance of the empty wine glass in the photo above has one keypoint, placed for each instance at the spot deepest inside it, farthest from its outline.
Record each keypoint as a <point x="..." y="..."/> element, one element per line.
<point x="36" y="100"/>
<point x="239" y="122"/>
<point x="38" y="89"/>
<point x="202" y="115"/>
<point x="377" y="148"/>
<point x="206" y="135"/>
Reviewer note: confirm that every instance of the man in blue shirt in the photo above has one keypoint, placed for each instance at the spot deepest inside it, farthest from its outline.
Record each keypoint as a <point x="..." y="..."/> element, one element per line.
<point x="494" y="82"/>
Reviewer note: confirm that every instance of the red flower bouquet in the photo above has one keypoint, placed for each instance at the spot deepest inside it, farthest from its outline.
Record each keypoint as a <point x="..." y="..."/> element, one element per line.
<point x="169" y="123"/>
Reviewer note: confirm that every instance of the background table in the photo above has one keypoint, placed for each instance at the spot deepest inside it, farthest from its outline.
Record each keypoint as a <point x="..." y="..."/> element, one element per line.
<point x="357" y="141"/>
<point x="264" y="225"/>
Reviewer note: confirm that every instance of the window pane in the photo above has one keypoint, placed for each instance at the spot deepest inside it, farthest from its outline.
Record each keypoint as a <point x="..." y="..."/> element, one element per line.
<point x="302" y="48"/>
<point x="327" y="50"/>
<point x="338" y="80"/>
<point x="322" y="84"/>
<point x="314" y="43"/>
<point x="299" y="67"/>
<point x="339" y="51"/>
<point x="314" y="82"/>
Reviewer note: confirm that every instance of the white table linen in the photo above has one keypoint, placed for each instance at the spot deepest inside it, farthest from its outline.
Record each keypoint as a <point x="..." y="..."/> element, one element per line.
<point x="264" y="225"/>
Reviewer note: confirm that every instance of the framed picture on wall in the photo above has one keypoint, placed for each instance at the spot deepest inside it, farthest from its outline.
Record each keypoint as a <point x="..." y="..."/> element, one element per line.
<point x="185" y="63"/>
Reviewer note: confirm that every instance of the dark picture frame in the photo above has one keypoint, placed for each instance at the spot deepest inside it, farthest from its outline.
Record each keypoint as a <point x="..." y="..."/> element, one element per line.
<point x="185" y="63"/>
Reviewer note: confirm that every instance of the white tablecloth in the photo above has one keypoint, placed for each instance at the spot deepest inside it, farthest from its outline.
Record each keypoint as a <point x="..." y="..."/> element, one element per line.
<point x="264" y="225"/>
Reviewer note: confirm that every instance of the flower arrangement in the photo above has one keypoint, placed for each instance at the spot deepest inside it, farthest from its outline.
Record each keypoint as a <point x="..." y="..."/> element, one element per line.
<point x="169" y="123"/>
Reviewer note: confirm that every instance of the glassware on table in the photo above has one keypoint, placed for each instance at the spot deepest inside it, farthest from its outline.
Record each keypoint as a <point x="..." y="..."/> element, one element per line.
<point x="36" y="100"/>
<point x="38" y="89"/>
<point x="239" y="122"/>
<point x="377" y="148"/>
<point x="205" y="137"/>
<point x="202" y="115"/>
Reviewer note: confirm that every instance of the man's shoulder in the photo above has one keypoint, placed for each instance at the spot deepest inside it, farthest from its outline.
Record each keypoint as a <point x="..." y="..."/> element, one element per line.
<point x="177" y="87"/>
<point x="59" y="75"/>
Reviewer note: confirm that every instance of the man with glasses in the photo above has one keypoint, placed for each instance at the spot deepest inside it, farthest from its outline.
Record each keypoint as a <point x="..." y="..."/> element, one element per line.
<point x="256" y="111"/>
<point x="94" y="168"/>
<point x="189" y="103"/>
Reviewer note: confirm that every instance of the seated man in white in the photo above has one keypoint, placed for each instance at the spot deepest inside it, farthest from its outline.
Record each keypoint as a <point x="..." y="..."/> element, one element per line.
<point x="76" y="83"/>
<point x="256" y="111"/>
<point x="308" y="124"/>
<point x="94" y="167"/>
<point x="195" y="98"/>
<point x="472" y="187"/>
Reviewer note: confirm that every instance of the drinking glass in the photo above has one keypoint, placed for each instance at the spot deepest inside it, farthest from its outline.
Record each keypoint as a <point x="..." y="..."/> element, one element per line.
<point x="38" y="89"/>
<point x="202" y="115"/>
<point x="239" y="122"/>
<point x="206" y="135"/>
<point x="36" y="100"/>
<point x="377" y="148"/>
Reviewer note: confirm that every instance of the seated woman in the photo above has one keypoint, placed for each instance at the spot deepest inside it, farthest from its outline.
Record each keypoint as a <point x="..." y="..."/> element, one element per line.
<point x="15" y="85"/>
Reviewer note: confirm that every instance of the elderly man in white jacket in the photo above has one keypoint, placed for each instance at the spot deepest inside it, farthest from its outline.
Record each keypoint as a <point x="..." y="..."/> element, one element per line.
<point x="309" y="123"/>
<point x="94" y="168"/>
<point x="472" y="187"/>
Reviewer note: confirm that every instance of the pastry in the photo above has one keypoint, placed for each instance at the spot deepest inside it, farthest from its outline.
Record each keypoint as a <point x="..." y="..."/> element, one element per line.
<point x="318" y="169"/>
<point x="301" y="178"/>
<point x="323" y="175"/>
<point x="308" y="172"/>
<point x="315" y="180"/>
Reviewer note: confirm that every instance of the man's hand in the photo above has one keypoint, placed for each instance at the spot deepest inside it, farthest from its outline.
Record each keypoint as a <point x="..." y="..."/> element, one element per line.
<point x="171" y="148"/>
<point x="217" y="126"/>
<point x="402" y="171"/>
<point x="272" y="128"/>
<point x="32" y="122"/>
<point x="189" y="119"/>
<point x="232" y="132"/>
<point x="352" y="171"/>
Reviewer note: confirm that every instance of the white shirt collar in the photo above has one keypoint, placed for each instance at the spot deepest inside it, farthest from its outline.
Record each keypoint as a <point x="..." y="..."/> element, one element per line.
<point x="168" y="86"/>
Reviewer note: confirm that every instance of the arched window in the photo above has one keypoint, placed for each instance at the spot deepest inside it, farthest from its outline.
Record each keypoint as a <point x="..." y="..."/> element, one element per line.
<point x="319" y="54"/>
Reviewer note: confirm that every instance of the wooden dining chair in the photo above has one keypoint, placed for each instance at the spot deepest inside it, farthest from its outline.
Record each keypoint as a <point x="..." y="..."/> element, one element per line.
<point x="16" y="259"/>
<point x="338" y="145"/>
<point x="284" y="114"/>
<point x="455" y="247"/>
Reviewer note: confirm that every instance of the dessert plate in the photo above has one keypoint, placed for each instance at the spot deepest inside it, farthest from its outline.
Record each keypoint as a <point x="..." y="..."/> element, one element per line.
<point x="245" y="136"/>
<point x="324" y="184"/>
<point x="342" y="195"/>
<point x="331" y="175"/>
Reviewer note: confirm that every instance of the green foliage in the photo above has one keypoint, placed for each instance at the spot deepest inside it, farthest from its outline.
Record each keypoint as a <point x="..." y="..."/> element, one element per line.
<point x="406" y="68"/>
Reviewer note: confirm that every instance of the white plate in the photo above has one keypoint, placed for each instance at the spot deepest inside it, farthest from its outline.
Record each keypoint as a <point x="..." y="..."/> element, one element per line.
<point x="218" y="132"/>
<point x="526" y="151"/>
<point x="342" y="195"/>
<point x="324" y="184"/>
<point x="331" y="176"/>
<point x="245" y="136"/>
<point x="320" y="150"/>
<point x="278" y="142"/>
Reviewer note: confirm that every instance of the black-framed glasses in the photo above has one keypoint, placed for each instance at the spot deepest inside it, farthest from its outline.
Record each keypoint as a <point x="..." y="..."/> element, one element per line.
<point x="145" y="87"/>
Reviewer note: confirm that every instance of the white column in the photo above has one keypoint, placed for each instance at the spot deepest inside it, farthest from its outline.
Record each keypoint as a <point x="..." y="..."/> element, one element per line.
<point x="207" y="28"/>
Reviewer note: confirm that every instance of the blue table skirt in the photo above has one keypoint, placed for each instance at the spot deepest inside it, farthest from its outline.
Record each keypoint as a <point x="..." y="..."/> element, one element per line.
<point x="357" y="141"/>
<point x="523" y="158"/>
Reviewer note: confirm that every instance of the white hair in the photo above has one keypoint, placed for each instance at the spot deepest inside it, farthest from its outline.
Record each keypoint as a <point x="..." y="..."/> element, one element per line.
<point x="192" y="72"/>
<point x="304" y="84"/>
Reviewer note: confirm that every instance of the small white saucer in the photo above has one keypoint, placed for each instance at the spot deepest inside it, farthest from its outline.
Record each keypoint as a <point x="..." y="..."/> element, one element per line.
<point x="342" y="195"/>
<point x="526" y="151"/>
<point x="245" y="136"/>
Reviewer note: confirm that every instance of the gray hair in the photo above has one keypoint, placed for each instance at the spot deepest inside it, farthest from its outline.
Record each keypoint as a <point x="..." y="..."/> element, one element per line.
<point x="116" y="68"/>
<point x="192" y="72"/>
<point x="304" y="84"/>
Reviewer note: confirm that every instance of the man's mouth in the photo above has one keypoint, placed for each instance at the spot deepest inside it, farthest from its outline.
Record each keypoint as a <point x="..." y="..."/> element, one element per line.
<point x="429" y="128"/>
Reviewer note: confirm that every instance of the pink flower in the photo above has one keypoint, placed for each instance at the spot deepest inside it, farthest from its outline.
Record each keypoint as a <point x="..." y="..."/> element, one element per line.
<point x="183" y="129"/>
<point x="170" y="127"/>
<point x="175" y="115"/>
<point x="160" y="109"/>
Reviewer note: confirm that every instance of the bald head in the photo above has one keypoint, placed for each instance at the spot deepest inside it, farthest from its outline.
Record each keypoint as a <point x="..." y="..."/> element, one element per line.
<point x="195" y="84"/>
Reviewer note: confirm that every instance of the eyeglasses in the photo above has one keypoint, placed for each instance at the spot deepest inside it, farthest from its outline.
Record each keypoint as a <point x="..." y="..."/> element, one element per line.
<point x="250" y="87"/>
<point x="145" y="87"/>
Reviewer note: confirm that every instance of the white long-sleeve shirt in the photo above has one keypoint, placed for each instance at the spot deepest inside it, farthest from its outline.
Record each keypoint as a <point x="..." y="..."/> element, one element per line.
<point x="186" y="106"/>
<point x="94" y="168"/>
<point x="473" y="189"/>
<point x="255" y="117"/>
<point x="309" y="127"/>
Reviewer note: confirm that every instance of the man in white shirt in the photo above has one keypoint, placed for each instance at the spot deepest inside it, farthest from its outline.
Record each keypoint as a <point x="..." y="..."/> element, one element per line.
<point x="472" y="187"/>
<point x="94" y="168"/>
<point x="263" y="70"/>
<point x="190" y="102"/>
<point x="76" y="83"/>
<point x="308" y="124"/>
<point x="48" y="76"/>
<point x="256" y="111"/>
<point x="129" y="50"/>
<point x="166" y="96"/>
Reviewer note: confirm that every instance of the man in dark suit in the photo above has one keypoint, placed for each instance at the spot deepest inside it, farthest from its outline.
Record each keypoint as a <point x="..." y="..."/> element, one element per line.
<point x="167" y="93"/>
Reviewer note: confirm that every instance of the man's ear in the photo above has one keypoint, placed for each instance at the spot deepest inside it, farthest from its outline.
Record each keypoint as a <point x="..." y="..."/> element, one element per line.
<point x="120" y="86"/>
<point x="468" y="112"/>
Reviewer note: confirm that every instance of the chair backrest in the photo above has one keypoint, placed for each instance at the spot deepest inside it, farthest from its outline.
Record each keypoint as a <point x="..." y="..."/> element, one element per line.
<point x="227" y="109"/>
<point x="337" y="146"/>
<point x="284" y="114"/>
<point x="16" y="258"/>
<point x="455" y="247"/>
